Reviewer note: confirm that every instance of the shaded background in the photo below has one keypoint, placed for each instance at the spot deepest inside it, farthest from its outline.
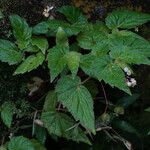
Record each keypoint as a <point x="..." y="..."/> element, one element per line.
<point x="15" y="88"/>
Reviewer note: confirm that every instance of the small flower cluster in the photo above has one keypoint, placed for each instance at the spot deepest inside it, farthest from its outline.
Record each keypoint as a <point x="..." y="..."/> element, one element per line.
<point x="131" y="82"/>
<point x="46" y="12"/>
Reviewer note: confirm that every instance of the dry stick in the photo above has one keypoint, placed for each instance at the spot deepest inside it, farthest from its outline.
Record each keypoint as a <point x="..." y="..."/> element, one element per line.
<point x="106" y="100"/>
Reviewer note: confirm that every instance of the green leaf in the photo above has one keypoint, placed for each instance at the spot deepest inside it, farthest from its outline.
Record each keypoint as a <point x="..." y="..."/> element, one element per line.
<point x="57" y="60"/>
<point x="40" y="134"/>
<point x="61" y="38"/>
<point x="50" y="101"/>
<point x="125" y="126"/>
<point x="128" y="56"/>
<point x="41" y="28"/>
<point x="127" y="100"/>
<point x="21" y="31"/>
<point x="126" y="19"/>
<point x="92" y="38"/>
<point x="86" y="65"/>
<point x="131" y="41"/>
<point x="32" y="49"/>
<point x="7" y="113"/>
<point x="9" y="53"/>
<point x="103" y="68"/>
<point x="147" y="109"/>
<point x="73" y="60"/>
<point x="73" y="14"/>
<point x="20" y="143"/>
<point x="31" y="63"/>
<point x="41" y="43"/>
<point x="77" y="99"/>
<point x="53" y="25"/>
<point x="61" y="125"/>
<point x="37" y="145"/>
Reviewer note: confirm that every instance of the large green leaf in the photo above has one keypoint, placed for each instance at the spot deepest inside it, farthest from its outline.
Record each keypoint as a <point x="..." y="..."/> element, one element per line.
<point x="61" y="125"/>
<point x="41" y="43"/>
<point x="21" y="31"/>
<point x="20" y="143"/>
<point x="73" y="14"/>
<point x="73" y="60"/>
<point x="77" y="99"/>
<point x="7" y="113"/>
<point x="50" y="101"/>
<point x="61" y="38"/>
<point x="124" y="54"/>
<point x="92" y="37"/>
<point x="53" y="25"/>
<point x="126" y="19"/>
<point x="9" y="53"/>
<point x="103" y="68"/>
<point x="131" y="41"/>
<point x="57" y="60"/>
<point x="29" y="64"/>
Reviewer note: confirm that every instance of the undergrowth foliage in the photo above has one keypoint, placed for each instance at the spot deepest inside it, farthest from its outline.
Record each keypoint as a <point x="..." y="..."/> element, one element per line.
<point x="100" y="51"/>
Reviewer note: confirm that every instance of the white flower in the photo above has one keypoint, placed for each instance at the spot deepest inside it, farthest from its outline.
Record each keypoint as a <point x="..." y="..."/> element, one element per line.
<point x="129" y="84"/>
<point x="133" y="81"/>
<point x="127" y="71"/>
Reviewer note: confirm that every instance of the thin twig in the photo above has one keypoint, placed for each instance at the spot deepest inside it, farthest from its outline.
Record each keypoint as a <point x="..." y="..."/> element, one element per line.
<point x="59" y="106"/>
<point x="86" y="80"/>
<point x="105" y="95"/>
<point x="103" y="128"/>
<point x="33" y="127"/>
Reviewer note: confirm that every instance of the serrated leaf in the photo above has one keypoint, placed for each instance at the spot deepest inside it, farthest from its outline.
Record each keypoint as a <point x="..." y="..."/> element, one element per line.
<point x="50" y="102"/>
<point x="20" y="143"/>
<point x="73" y="14"/>
<point x="57" y="60"/>
<point x="53" y="25"/>
<point x="124" y="54"/>
<point x="61" y="38"/>
<point x="77" y="99"/>
<point x="37" y="145"/>
<point x="31" y="63"/>
<point x="61" y="125"/>
<point x="92" y="38"/>
<point x="86" y="64"/>
<point x="21" y="31"/>
<point x="127" y="100"/>
<point x="40" y="28"/>
<point x="111" y="73"/>
<point x="7" y="113"/>
<point x="9" y="53"/>
<point x="41" y="43"/>
<point x="73" y="60"/>
<point x="126" y="19"/>
<point x="131" y="41"/>
<point x="103" y="68"/>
